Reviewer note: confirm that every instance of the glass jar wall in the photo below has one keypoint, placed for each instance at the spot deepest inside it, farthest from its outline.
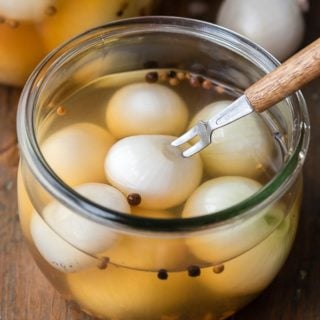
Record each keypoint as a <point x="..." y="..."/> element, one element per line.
<point x="167" y="258"/>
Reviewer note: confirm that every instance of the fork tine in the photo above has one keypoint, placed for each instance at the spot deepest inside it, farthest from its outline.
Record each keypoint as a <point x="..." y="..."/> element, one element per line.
<point x="187" y="136"/>
<point x="194" y="149"/>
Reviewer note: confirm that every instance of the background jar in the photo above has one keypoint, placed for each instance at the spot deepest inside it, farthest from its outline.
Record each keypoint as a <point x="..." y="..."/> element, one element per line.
<point x="30" y="29"/>
<point x="199" y="268"/>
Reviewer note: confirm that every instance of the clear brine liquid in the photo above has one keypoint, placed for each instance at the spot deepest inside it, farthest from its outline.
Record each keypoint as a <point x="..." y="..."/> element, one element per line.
<point x="157" y="278"/>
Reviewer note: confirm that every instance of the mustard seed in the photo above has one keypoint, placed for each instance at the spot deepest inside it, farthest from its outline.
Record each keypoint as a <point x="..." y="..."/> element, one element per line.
<point x="181" y="75"/>
<point x="163" y="76"/>
<point x="61" y="111"/>
<point x="174" y="81"/>
<point x="219" y="268"/>
<point x="219" y="89"/>
<point x="188" y="75"/>
<point x="207" y="84"/>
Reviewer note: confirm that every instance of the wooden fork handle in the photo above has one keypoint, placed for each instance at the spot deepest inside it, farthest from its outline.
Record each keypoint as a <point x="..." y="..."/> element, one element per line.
<point x="293" y="74"/>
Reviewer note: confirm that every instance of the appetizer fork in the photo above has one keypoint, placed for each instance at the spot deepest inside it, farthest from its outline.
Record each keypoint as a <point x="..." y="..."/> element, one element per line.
<point x="290" y="76"/>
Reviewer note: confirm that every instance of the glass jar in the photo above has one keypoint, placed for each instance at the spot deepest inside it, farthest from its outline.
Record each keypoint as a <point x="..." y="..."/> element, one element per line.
<point x="155" y="264"/>
<point x="30" y="29"/>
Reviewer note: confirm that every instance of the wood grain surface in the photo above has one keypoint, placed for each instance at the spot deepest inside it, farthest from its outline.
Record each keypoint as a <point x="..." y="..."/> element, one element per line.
<point x="26" y="295"/>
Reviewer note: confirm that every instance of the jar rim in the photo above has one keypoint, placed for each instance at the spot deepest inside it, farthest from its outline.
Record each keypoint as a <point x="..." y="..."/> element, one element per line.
<point x="31" y="153"/>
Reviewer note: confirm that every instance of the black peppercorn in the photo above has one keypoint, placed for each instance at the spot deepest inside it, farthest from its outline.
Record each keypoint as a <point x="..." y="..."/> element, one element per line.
<point x="134" y="199"/>
<point x="162" y="274"/>
<point x="172" y="74"/>
<point x="152" y="77"/>
<point x="194" y="271"/>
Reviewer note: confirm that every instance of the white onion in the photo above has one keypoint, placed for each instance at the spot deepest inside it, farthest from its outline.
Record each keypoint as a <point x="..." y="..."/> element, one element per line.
<point x="73" y="232"/>
<point x="218" y="194"/>
<point x="238" y="235"/>
<point x="33" y="10"/>
<point x="149" y="166"/>
<point x="223" y="242"/>
<point x="146" y="108"/>
<point x="57" y="252"/>
<point x="253" y="270"/>
<point x="241" y="148"/>
<point x="76" y="153"/>
<point x="277" y="26"/>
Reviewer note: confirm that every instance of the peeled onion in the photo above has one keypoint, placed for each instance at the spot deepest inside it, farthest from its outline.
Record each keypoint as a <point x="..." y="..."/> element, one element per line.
<point x="253" y="270"/>
<point x="59" y="226"/>
<point x="218" y="194"/>
<point x="277" y="26"/>
<point x="33" y="10"/>
<point x="226" y="241"/>
<point x="150" y="166"/>
<point x="241" y="148"/>
<point x="146" y="108"/>
<point x="56" y="251"/>
<point x="76" y="153"/>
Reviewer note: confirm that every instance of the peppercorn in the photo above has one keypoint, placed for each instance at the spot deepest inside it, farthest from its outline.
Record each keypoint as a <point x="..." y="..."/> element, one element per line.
<point x="134" y="199"/>
<point x="194" y="271"/>
<point x="162" y="274"/>
<point x="152" y="77"/>
<point x="104" y="263"/>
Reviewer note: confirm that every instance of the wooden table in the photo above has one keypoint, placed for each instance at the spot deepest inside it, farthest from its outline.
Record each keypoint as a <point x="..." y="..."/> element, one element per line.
<point x="26" y="295"/>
